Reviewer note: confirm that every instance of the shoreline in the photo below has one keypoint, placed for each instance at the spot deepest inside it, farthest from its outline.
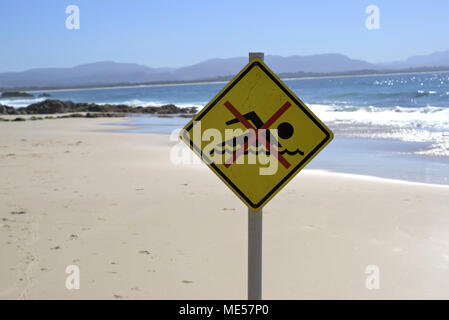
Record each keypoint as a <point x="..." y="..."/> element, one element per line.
<point x="216" y="82"/>
<point x="124" y="125"/>
<point x="393" y="151"/>
<point x="363" y="177"/>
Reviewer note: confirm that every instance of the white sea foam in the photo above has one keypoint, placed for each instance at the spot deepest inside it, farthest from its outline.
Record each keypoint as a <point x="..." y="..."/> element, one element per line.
<point x="440" y="149"/>
<point x="24" y="102"/>
<point x="147" y="103"/>
<point x="426" y="124"/>
<point x="20" y="102"/>
<point x="424" y="117"/>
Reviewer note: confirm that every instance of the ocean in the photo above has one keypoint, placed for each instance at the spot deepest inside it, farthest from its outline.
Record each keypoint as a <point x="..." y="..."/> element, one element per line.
<point x="390" y="126"/>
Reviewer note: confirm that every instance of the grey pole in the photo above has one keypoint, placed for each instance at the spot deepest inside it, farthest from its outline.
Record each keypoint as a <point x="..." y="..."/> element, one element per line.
<point x="254" y="255"/>
<point x="255" y="239"/>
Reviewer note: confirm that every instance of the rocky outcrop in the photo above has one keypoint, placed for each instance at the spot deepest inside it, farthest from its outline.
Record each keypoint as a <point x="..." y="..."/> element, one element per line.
<point x="15" y="94"/>
<point x="7" y="110"/>
<point x="57" y="106"/>
<point x="44" y="95"/>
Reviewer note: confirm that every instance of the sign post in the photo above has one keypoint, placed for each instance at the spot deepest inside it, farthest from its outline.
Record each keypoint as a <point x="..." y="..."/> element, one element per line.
<point x="254" y="255"/>
<point x="256" y="135"/>
<point x="255" y="238"/>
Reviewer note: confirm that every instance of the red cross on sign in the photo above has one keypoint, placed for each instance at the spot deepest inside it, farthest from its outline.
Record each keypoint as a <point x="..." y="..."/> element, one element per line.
<point x="254" y="134"/>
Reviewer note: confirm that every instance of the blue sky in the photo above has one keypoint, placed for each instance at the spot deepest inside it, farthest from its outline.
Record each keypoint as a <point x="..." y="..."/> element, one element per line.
<point x="177" y="33"/>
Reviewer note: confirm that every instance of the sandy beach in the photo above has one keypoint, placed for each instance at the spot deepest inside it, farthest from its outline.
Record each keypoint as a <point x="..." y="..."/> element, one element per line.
<point x="140" y="227"/>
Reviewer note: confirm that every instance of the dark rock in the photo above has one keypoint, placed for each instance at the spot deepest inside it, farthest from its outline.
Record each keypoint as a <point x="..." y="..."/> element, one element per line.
<point x="7" y="110"/>
<point x="44" y="95"/>
<point x="93" y="110"/>
<point x="49" y="107"/>
<point x="15" y="94"/>
<point x="57" y="106"/>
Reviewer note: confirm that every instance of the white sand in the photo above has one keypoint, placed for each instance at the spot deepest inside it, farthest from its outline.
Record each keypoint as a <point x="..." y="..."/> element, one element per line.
<point x="141" y="227"/>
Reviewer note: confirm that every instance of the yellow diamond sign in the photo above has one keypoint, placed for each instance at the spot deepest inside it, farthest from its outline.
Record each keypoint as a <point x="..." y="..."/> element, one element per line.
<point x="256" y="135"/>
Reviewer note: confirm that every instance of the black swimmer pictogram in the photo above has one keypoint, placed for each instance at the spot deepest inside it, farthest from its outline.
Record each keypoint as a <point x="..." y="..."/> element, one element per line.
<point x="285" y="131"/>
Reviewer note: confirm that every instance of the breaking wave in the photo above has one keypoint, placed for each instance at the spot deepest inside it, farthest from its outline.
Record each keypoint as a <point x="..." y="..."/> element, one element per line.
<point x="424" y="117"/>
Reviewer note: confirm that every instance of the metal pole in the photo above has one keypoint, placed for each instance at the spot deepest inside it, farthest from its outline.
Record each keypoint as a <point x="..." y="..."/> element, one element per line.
<point x="255" y="239"/>
<point x="254" y="255"/>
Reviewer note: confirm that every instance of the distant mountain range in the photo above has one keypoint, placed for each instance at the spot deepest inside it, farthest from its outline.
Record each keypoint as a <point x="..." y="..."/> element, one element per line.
<point x="113" y="73"/>
<point x="436" y="59"/>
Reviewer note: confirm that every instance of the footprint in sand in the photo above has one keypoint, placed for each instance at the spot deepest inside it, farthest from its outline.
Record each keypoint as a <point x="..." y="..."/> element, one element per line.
<point x="187" y="281"/>
<point x="75" y="144"/>
<point x="18" y="212"/>
<point x="73" y="237"/>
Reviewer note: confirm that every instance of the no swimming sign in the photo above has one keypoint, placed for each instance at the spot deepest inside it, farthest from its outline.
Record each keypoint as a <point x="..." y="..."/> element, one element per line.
<point x="256" y="135"/>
